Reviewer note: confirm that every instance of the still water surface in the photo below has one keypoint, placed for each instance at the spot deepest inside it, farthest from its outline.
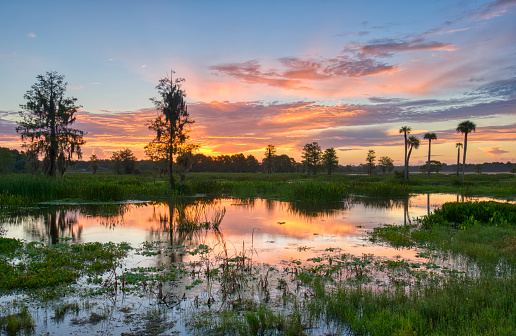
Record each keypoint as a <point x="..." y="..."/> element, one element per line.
<point x="276" y="231"/>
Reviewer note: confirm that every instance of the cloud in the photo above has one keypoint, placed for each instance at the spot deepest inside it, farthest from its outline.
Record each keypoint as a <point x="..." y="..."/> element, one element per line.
<point x="381" y="100"/>
<point x="99" y="152"/>
<point x="501" y="88"/>
<point x="387" y="47"/>
<point x="296" y="73"/>
<point x="31" y="35"/>
<point x="251" y="72"/>
<point x="495" y="150"/>
<point x="494" y="9"/>
<point x="74" y="87"/>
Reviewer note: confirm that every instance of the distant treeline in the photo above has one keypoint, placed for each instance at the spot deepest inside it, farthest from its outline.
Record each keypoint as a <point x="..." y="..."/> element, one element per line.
<point x="12" y="160"/>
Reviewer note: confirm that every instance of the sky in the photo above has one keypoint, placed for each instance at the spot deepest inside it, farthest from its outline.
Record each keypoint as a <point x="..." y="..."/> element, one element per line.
<point x="345" y="74"/>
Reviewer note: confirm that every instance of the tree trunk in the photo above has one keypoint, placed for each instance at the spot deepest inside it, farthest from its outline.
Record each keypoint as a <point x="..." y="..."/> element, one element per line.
<point x="428" y="163"/>
<point x="406" y="161"/>
<point x="171" y="184"/>
<point x="458" y="161"/>
<point x="464" y="155"/>
<point x="52" y="152"/>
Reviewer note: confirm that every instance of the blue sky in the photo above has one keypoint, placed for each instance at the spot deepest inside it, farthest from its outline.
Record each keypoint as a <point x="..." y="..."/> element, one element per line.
<point x="347" y="74"/>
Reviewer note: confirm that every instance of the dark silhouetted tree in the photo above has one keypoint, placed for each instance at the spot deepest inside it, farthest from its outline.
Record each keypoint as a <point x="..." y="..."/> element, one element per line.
<point x="330" y="160"/>
<point x="435" y="166"/>
<point x="268" y="160"/>
<point x="94" y="163"/>
<point x="171" y="125"/>
<point x="284" y="164"/>
<point x="6" y="160"/>
<point x="370" y="159"/>
<point x="252" y="164"/>
<point x="465" y="127"/>
<point x="386" y="164"/>
<point x="429" y="137"/>
<point x="405" y="130"/>
<point x="123" y="162"/>
<point x="478" y="168"/>
<point x="312" y="156"/>
<point x="185" y="160"/>
<point x="46" y="126"/>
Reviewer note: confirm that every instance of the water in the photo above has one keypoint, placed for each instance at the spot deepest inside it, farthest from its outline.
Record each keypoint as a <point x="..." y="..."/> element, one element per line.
<point x="281" y="235"/>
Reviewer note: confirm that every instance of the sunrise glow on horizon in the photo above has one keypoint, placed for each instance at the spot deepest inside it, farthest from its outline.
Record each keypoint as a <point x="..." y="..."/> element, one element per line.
<point x="345" y="74"/>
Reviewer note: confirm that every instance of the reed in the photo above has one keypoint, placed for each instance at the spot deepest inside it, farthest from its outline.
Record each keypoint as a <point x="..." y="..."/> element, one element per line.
<point x="381" y="189"/>
<point x="461" y="306"/>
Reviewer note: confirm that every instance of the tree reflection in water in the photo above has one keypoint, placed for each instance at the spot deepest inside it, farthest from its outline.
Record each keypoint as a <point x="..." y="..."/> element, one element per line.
<point x="48" y="224"/>
<point x="56" y="222"/>
<point x="187" y="223"/>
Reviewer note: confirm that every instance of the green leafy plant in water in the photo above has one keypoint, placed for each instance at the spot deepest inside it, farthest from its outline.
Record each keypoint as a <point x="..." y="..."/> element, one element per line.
<point x="15" y="324"/>
<point x="40" y="266"/>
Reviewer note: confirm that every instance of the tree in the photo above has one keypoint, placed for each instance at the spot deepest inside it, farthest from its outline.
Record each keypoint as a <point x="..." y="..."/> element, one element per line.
<point x="312" y="155"/>
<point x="413" y="143"/>
<point x="465" y="127"/>
<point x="46" y="126"/>
<point x="478" y="168"/>
<point x="185" y="161"/>
<point x="170" y="125"/>
<point x="370" y="159"/>
<point x="386" y="164"/>
<point x="330" y="160"/>
<point x="94" y="163"/>
<point x="429" y="137"/>
<point x="459" y="146"/>
<point x="123" y="162"/>
<point x="284" y="164"/>
<point x="405" y="130"/>
<point x="268" y="161"/>
<point x="6" y="160"/>
<point x="435" y="166"/>
<point x="251" y="164"/>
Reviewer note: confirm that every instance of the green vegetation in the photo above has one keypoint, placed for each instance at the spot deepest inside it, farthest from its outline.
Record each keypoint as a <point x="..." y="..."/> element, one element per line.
<point x="458" y="306"/>
<point x="21" y="190"/>
<point x="41" y="266"/>
<point x="339" y="289"/>
<point x="485" y="232"/>
<point x="455" y="304"/>
<point x="14" y="324"/>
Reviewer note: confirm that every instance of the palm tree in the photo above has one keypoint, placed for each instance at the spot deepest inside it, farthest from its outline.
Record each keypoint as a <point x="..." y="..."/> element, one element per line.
<point x="459" y="146"/>
<point x="465" y="127"/>
<point x="405" y="130"/>
<point x="413" y="142"/>
<point x="430" y="137"/>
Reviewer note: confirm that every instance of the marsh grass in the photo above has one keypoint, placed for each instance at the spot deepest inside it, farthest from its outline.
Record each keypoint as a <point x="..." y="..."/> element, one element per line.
<point x="17" y="323"/>
<point x="19" y="190"/>
<point x="381" y="189"/>
<point x="484" y="304"/>
<point x="460" y="306"/>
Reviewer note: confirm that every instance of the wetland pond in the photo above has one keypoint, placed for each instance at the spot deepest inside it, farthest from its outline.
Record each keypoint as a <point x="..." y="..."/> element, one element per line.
<point x="192" y="259"/>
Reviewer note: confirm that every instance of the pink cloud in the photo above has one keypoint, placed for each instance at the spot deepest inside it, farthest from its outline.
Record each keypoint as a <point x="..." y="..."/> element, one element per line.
<point x="495" y="9"/>
<point x="389" y="47"/>
<point x="495" y="150"/>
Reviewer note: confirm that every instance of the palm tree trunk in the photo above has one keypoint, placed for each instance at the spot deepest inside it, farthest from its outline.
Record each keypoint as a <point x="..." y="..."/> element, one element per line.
<point x="406" y="160"/>
<point x="464" y="155"/>
<point x="428" y="163"/>
<point x="458" y="160"/>
<point x="407" y="163"/>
